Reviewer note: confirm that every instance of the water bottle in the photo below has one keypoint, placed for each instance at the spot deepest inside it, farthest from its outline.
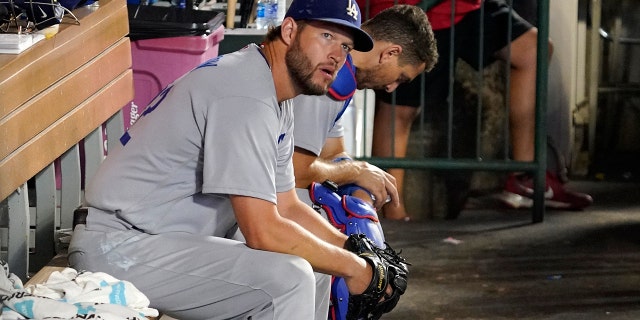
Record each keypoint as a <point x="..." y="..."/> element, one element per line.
<point x="282" y="9"/>
<point x="261" y="14"/>
<point x="271" y="14"/>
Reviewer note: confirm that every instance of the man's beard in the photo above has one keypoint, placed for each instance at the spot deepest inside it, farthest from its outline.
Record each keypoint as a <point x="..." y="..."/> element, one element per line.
<point x="301" y="71"/>
<point x="366" y="78"/>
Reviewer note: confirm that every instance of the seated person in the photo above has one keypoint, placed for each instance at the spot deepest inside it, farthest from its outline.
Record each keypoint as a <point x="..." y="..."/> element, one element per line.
<point x="212" y="153"/>
<point x="404" y="47"/>
<point x="520" y="50"/>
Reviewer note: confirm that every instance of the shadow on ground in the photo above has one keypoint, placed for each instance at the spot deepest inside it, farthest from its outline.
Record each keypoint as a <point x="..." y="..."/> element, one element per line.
<point x="574" y="265"/>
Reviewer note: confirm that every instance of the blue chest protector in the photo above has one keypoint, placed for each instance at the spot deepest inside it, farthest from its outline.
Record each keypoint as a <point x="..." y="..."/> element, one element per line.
<point x="347" y="213"/>
<point x="345" y="85"/>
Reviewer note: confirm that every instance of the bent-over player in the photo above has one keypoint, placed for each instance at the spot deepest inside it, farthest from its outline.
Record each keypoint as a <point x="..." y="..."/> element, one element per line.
<point x="404" y="47"/>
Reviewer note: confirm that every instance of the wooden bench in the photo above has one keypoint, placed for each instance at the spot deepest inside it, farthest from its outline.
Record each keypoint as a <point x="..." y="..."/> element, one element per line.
<point x="60" y="261"/>
<point x="58" y="100"/>
<point x="61" y="106"/>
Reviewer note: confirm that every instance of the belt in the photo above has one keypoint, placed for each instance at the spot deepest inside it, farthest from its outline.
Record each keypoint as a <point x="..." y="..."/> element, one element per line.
<point x="80" y="216"/>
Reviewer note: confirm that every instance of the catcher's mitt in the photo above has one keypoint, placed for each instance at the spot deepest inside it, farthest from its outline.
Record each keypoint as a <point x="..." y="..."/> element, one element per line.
<point x="389" y="268"/>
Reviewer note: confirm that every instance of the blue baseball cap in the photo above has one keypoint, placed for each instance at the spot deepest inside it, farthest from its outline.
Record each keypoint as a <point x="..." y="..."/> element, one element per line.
<point x="343" y="12"/>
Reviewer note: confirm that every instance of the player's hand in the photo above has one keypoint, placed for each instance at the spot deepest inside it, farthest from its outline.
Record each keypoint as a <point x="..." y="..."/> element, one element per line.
<point x="388" y="282"/>
<point x="380" y="184"/>
<point x="360" y="281"/>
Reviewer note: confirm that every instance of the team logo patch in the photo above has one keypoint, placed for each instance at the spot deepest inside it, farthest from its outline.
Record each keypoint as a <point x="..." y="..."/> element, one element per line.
<point x="352" y="10"/>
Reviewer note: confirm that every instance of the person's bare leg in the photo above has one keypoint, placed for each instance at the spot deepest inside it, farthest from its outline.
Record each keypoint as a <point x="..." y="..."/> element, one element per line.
<point x="391" y="128"/>
<point x="522" y="128"/>
<point x="523" y="94"/>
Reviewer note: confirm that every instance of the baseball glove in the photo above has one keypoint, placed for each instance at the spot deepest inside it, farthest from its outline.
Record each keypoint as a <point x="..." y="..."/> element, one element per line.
<point x="389" y="268"/>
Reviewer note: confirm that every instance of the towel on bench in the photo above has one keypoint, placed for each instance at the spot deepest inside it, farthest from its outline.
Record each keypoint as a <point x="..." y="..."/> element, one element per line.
<point x="69" y="294"/>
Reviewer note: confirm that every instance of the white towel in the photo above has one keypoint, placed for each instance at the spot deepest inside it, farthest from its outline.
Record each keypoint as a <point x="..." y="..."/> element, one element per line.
<point x="69" y="294"/>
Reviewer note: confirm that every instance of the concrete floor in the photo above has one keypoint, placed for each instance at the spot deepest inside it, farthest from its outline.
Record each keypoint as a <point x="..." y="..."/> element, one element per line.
<point x="574" y="265"/>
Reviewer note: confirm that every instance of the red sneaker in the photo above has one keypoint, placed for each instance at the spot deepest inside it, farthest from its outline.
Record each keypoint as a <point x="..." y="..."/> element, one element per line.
<point x="518" y="193"/>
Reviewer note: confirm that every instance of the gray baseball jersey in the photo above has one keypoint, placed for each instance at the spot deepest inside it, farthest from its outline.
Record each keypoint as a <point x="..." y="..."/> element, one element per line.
<point x="216" y="131"/>
<point x="316" y="119"/>
<point x="160" y="209"/>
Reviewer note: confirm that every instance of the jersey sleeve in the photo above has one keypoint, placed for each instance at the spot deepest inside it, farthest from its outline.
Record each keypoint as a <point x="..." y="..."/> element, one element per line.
<point x="312" y="116"/>
<point x="240" y="149"/>
<point x="285" y="178"/>
<point x="337" y="131"/>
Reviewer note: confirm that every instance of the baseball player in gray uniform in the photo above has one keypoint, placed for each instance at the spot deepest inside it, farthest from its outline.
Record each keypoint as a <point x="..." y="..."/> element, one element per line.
<point x="211" y="152"/>
<point x="404" y="47"/>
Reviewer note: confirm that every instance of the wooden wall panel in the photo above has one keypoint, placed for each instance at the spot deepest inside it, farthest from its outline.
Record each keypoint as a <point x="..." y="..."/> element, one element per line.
<point x="25" y="75"/>
<point x="56" y="92"/>
<point x="48" y="145"/>
<point x="37" y="114"/>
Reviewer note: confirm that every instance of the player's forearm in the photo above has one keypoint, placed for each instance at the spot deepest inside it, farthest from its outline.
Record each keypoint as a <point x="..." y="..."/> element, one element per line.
<point x="342" y="172"/>
<point x="268" y="227"/>
<point x="287" y="236"/>
<point x="334" y="260"/>
<point x="309" y="219"/>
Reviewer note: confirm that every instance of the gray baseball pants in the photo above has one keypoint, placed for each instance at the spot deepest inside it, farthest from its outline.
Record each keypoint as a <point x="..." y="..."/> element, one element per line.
<point x="189" y="276"/>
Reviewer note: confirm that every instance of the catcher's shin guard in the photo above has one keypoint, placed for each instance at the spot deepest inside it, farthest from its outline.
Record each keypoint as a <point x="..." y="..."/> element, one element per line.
<point x="339" y="301"/>
<point x="351" y="215"/>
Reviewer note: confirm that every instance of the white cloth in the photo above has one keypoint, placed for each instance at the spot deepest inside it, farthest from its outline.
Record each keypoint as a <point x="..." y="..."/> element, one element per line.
<point x="69" y="294"/>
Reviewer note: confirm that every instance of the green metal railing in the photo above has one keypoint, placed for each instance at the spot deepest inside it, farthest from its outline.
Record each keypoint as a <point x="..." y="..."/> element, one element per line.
<point x="537" y="167"/>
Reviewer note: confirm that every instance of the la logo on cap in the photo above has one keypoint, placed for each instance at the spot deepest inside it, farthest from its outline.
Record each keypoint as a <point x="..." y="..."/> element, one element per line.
<point x="342" y="12"/>
<point x="352" y="10"/>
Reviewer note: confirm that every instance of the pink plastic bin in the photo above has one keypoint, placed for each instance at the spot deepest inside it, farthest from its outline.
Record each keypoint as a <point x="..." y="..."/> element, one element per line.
<point x="158" y="62"/>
